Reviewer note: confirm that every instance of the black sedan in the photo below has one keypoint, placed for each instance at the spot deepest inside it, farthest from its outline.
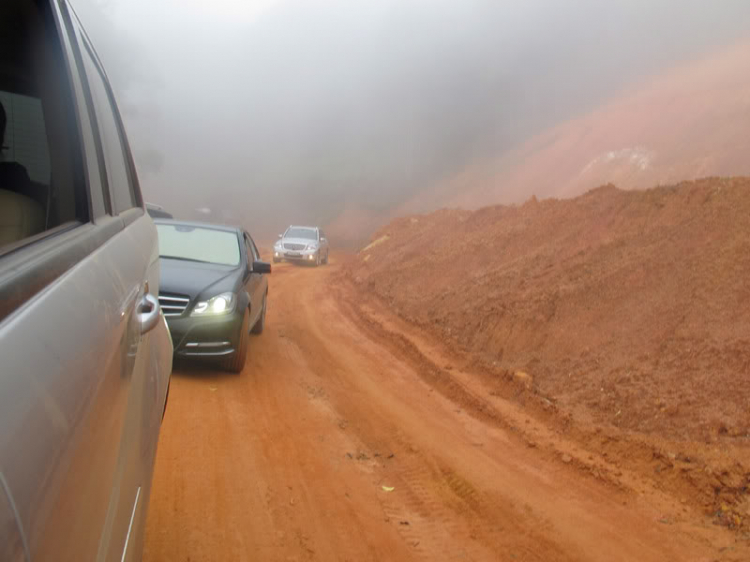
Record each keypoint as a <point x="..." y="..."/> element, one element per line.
<point x="214" y="290"/>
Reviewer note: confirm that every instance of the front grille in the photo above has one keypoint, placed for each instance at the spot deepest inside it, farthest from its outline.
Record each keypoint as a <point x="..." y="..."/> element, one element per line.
<point x="295" y="247"/>
<point x="173" y="305"/>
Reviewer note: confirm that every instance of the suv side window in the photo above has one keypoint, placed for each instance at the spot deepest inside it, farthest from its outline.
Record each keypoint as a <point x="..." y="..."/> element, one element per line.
<point x="42" y="186"/>
<point x="255" y="249"/>
<point x="251" y="257"/>
<point x="51" y="196"/>
<point x="118" y="169"/>
<point x="25" y="140"/>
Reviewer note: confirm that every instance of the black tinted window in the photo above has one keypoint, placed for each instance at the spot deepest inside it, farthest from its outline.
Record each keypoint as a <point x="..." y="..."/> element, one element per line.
<point x="253" y="249"/>
<point x="118" y="176"/>
<point x="41" y="183"/>
<point x="25" y="139"/>
<point x="249" y="250"/>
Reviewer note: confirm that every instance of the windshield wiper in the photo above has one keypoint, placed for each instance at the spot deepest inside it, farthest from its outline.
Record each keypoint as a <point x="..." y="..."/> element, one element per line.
<point x="185" y="259"/>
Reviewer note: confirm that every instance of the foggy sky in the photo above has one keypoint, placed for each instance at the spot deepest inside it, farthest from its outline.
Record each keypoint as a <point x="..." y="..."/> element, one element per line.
<point x="273" y="112"/>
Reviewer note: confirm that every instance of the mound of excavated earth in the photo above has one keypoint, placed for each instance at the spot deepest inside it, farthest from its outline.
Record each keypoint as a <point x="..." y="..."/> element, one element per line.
<point x="627" y="308"/>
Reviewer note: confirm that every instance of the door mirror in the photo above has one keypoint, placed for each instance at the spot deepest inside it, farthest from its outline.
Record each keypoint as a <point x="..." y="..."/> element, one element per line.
<point x="323" y="239"/>
<point x="261" y="267"/>
<point x="281" y="236"/>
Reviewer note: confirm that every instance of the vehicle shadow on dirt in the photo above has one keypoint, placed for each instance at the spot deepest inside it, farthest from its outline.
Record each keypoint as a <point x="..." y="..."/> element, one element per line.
<point x="200" y="370"/>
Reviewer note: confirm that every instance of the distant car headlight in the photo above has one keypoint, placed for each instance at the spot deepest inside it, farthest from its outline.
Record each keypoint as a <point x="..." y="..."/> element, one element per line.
<point x="216" y="306"/>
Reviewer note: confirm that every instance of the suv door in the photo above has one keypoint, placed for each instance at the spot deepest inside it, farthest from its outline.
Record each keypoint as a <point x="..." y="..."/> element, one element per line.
<point x="148" y="352"/>
<point x="86" y="354"/>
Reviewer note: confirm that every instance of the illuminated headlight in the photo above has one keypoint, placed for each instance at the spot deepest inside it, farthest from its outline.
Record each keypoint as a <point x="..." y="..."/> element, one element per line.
<point x="220" y="304"/>
<point x="312" y="247"/>
<point x="276" y="254"/>
<point x="310" y="257"/>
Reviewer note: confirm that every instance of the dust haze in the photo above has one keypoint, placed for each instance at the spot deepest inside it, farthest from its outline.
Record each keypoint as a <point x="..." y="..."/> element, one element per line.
<point x="269" y="112"/>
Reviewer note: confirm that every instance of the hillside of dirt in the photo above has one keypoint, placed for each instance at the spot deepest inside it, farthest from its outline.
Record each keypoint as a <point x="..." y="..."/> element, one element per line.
<point x="630" y="309"/>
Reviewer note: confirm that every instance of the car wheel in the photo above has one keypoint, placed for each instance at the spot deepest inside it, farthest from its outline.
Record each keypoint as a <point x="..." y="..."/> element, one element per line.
<point x="261" y="322"/>
<point x="325" y="261"/>
<point x="317" y="259"/>
<point x="276" y="260"/>
<point x="237" y="362"/>
<point x="166" y="399"/>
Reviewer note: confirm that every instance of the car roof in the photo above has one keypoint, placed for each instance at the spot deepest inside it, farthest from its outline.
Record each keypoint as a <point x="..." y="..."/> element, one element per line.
<point x="197" y="224"/>
<point x="301" y="226"/>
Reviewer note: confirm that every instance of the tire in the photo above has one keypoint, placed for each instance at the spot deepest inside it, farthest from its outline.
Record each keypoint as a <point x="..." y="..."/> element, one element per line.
<point x="325" y="261"/>
<point x="237" y="362"/>
<point x="261" y="322"/>
<point x="317" y="260"/>
<point x="166" y="399"/>
<point x="276" y="260"/>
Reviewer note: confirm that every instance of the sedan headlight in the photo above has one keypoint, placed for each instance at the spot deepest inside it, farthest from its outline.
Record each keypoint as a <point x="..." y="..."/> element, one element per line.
<point x="220" y="304"/>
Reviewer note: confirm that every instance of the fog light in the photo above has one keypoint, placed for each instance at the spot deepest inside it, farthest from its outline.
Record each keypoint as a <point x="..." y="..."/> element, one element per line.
<point x="310" y="258"/>
<point x="276" y="254"/>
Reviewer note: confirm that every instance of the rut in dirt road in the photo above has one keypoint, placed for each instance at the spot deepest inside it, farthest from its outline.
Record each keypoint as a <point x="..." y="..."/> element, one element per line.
<point x="335" y="444"/>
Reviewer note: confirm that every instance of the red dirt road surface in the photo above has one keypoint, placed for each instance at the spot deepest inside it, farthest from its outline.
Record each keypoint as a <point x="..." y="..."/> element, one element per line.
<point x="351" y="435"/>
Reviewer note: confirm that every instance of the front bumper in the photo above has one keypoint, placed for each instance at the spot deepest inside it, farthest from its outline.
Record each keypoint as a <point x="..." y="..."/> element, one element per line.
<point x="208" y="336"/>
<point x="291" y="255"/>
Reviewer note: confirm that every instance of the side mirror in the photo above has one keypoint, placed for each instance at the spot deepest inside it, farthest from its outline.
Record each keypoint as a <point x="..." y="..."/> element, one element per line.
<point x="281" y="236"/>
<point x="323" y="239"/>
<point x="261" y="267"/>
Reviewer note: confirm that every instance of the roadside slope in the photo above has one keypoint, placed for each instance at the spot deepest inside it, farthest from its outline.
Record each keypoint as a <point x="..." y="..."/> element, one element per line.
<point x="630" y="308"/>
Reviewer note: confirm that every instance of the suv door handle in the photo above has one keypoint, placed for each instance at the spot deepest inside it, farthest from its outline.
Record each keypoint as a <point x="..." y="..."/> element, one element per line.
<point x="148" y="313"/>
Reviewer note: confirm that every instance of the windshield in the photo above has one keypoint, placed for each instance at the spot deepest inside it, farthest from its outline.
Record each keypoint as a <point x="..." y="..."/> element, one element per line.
<point x="307" y="233"/>
<point x="198" y="244"/>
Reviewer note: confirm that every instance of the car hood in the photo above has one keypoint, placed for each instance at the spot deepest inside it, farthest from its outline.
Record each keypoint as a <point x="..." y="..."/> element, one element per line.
<point x="304" y="241"/>
<point x="195" y="280"/>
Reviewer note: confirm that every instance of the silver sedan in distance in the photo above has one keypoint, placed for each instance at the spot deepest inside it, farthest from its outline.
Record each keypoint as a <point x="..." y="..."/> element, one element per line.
<point x="302" y="244"/>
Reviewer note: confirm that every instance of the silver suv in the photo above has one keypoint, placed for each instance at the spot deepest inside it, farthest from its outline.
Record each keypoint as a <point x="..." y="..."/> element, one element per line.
<point x="86" y="354"/>
<point x="303" y="244"/>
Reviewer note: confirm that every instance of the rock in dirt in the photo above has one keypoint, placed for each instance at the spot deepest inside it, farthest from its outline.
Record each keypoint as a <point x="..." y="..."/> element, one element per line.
<point x="523" y="378"/>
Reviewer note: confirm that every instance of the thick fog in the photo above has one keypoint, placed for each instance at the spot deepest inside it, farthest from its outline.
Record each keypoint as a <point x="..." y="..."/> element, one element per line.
<point x="268" y="112"/>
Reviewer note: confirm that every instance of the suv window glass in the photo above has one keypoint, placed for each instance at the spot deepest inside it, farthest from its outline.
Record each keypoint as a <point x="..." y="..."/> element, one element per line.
<point x="41" y="179"/>
<point x="25" y="140"/>
<point x="250" y="253"/>
<point x="118" y="176"/>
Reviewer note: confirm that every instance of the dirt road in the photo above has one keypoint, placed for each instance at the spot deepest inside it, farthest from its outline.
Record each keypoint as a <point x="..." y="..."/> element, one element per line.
<point x="341" y="441"/>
